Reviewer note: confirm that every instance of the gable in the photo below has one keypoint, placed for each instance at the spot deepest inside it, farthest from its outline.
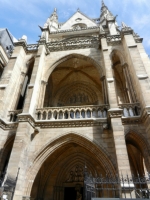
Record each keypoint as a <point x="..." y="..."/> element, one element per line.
<point x="78" y="20"/>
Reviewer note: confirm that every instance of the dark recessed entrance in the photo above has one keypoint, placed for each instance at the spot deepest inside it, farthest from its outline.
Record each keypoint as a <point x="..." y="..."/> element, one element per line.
<point x="73" y="194"/>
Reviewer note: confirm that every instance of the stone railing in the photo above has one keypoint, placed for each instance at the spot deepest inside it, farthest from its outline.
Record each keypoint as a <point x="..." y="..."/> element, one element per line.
<point x="72" y="112"/>
<point x="130" y="109"/>
<point x="13" y="115"/>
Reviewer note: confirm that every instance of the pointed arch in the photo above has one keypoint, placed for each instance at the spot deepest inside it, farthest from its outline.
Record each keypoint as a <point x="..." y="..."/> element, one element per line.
<point x="5" y="152"/>
<point x="98" y="152"/>
<point x="139" y="142"/>
<point x="119" y="54"/>
<point x="70" y="56"/>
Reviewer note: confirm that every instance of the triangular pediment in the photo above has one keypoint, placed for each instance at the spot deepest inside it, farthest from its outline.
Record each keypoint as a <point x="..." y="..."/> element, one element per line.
<point x="78" y="20"/>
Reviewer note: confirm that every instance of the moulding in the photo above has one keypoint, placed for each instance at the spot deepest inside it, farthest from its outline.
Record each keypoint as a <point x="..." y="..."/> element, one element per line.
<point x="3" y="85"/>
<point x="30" y="85"/>
<point x="110" y="80"/>
<point x="142" y="76"/>
<point x="147" y="109"/>
<point x="8" y="126"/>
<point x="115" y="112"/>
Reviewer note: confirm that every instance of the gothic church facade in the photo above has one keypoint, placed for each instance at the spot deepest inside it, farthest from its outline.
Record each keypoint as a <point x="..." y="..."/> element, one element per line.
<point x="79" y="97"/>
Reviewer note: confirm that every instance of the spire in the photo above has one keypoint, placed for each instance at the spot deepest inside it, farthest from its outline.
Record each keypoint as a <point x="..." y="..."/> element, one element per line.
<point x="105" y="13"/>
<point x="103" y="6"/>
<point x="103" y="3"/>
<point x="54" y="16"/>
<point x="107" y="18"/>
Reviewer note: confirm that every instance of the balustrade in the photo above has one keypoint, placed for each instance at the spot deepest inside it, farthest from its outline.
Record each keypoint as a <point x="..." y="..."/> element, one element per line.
<point x="13" y="115"/>
<point x="64" y="113"/>
<point x="130" y="109"/>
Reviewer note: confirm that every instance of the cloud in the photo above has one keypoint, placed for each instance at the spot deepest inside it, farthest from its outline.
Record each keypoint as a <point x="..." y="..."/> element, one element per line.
<point x="23" y="17"/>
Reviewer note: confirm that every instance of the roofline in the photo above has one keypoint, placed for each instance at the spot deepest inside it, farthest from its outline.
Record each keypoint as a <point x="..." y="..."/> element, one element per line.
<point x="9" y="35"/>
<point x="82" y="14"/>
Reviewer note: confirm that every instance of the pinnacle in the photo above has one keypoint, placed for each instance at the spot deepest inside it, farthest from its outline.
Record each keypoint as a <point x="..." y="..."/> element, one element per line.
<point x="103" y="5"/>
<point x="105" y="11"/>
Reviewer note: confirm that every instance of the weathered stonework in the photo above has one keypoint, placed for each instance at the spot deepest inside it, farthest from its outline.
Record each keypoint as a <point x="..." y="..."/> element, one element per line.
<point x="79" y="97"/>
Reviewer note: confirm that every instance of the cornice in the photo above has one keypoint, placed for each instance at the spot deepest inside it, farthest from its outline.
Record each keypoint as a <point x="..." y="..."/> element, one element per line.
<point x="115" y="112"/>
<point x="31" y="48"/>
<point x="75" y="30"/>
<point x="77" y="43"/>
<point x="61" y="123"/>
<point x="131" y="120"/>
<point x="103" y="122"/>
<point x="8" y="126"/>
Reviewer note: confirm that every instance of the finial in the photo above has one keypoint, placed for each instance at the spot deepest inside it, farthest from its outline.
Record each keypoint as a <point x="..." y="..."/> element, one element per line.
<point x="78" y="9"/>
<point x="55" y="9"/>
<point x="103" y="3"/>
<point x="124" y="25"/>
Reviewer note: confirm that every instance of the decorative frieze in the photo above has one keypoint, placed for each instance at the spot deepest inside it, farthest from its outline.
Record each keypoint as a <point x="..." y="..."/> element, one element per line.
<point x="32" y="48"/>
<point x="131" y="120"/>
<point x="77" y="43"/>
<point x="113" y="40"/>
<point x="75" y="30"/>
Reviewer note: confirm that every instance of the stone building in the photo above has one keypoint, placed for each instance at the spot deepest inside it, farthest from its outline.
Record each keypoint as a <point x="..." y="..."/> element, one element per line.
<point x="6" y="47"/>
<point x="79" y="98"/>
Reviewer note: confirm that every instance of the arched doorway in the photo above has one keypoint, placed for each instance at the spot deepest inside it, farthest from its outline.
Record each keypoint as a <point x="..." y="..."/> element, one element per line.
<point x="61" y="174"/>
<point x="138" y="153"/>
<point x="123" y="82"/>
<point x="5" y="154"/>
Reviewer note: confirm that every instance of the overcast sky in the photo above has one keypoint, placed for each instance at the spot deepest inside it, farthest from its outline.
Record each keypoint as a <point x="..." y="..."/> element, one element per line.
<point x="22" y="17"/>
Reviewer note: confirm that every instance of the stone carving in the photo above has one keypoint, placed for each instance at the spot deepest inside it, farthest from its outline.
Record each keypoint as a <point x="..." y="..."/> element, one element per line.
<point x="113" y="39"/>
<point x="76" y="43"/>
<point x="8" y="126"/>
<point x="73" y="30"/>
<point x="76" y="175"/>
<point x="32" y="48"/>
<point x="78" y="98"/>
<point x="115" y="113"/>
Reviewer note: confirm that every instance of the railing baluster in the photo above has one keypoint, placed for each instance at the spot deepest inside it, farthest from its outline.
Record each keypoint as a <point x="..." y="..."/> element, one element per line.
<point x="71" y="112"/>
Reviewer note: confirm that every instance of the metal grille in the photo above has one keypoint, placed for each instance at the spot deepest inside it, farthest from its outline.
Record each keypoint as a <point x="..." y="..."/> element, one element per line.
<point x="116" y="187"/>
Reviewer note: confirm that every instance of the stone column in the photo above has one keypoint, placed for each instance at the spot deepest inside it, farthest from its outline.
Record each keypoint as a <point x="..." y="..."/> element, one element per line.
<point x="104" y="88"/>
<point x="42" y="94"/>
<point x="137" y="68"/>
<point x="129" y="84"/>
<point x="32" y="97"/>
<point x="15" y="178"/>
<point x="10" y="80"/>
<point x="115" y="114"/>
